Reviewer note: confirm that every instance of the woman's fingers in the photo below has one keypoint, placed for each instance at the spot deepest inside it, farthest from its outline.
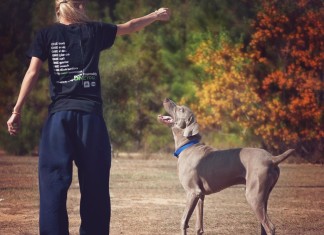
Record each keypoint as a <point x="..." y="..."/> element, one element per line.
<point x="13" y="125"/>
<point x="164" y="14"/>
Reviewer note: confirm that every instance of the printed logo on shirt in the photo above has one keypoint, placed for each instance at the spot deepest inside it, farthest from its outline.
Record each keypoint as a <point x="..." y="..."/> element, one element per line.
<point x="86" y="84"/>
<point x="85" y="76"/>
<point x="82" y="77"/>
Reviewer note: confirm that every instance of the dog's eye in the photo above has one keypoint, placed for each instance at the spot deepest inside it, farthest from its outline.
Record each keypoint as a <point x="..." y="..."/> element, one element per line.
<point x="181" y="110"/>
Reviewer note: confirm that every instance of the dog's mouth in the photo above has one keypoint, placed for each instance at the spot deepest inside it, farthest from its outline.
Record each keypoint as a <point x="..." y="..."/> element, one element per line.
<point x="167" y="120"/>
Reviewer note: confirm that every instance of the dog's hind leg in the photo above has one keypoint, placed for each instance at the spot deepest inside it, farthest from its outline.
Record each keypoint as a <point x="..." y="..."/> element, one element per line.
<point x="200" y="215"/>
<point x="274" y="176"/>
<point x="257" y="194"/>
<point x="192" y="200"/>
<point x="259" y="207"/>
<point x="263" y="230"/>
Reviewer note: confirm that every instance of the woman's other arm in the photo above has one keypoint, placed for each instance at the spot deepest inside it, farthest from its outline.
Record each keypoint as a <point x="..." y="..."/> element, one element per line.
<point x="27" y="85"/>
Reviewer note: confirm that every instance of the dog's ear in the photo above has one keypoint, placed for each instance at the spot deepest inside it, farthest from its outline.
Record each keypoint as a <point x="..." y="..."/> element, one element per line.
<point x="192" y="127"/>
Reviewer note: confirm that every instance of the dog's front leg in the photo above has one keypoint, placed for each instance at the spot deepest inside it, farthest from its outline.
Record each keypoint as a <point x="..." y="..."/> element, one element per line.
<point x="192" y="200"/>
<point x="200" y="216"/>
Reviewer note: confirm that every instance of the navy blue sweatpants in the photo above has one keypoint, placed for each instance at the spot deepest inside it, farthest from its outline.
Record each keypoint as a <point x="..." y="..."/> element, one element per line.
<point x="81" y="137"/>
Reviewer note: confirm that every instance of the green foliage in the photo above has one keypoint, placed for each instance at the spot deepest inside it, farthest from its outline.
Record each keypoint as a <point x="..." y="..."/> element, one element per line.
<point x="14" y="42"/>
<point x="33" y="116"/>
<point x="16" y="33"/>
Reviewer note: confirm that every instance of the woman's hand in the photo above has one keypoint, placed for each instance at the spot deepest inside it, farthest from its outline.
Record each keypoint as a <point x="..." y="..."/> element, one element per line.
<point x="14" y="123"/>
<point x="163" y="14"/>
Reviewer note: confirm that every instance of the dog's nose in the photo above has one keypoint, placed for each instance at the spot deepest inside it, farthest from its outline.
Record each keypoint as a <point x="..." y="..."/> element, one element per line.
<point x="166" y="100"/>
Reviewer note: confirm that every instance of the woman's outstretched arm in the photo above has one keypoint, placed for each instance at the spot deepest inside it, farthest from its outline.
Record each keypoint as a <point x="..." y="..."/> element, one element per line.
<point x="137" y="24"/>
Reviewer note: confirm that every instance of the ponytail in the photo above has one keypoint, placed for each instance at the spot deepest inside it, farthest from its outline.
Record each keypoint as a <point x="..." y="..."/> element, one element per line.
<point x="71" y="10"/>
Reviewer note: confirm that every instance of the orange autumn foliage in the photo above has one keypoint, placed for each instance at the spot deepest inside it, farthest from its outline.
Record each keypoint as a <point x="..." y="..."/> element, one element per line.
<point x="276" y="88"/>
<point x="229" y="94"/>
<point x="289" y="42"/>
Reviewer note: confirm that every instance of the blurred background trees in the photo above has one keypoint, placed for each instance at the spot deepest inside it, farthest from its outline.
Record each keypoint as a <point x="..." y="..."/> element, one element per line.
<point x="251" y="70"/>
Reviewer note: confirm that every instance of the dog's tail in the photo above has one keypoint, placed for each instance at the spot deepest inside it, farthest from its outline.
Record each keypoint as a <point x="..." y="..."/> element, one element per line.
<point x="277" y="159"/>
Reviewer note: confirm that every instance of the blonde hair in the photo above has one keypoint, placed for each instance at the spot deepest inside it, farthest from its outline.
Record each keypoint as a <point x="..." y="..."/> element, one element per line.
<point x="71" y="10"/>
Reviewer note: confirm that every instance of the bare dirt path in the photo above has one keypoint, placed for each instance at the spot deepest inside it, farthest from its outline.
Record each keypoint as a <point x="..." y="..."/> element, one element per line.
<point x="147" y="199"/>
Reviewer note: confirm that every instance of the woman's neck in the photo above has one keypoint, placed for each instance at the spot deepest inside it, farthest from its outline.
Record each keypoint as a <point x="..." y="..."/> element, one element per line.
<point x="64" y="21"/>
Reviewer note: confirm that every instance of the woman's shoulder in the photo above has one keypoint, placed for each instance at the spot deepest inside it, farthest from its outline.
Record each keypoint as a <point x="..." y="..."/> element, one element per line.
<point x="49" y="28"/>
<point x="101" y="24"/>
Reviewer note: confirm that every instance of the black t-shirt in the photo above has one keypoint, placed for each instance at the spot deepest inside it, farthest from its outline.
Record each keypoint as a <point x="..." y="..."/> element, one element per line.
<point x="73" y="54"/>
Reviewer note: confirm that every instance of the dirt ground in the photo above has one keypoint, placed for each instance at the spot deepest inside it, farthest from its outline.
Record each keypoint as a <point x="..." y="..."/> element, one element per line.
<point x="148" y="199"/>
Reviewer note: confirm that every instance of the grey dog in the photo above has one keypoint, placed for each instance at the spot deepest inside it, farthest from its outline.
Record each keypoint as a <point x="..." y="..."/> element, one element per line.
<point x="204" y="170"/>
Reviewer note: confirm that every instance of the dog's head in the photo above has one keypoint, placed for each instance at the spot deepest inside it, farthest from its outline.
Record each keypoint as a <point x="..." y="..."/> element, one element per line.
<point x="181" y="117"/>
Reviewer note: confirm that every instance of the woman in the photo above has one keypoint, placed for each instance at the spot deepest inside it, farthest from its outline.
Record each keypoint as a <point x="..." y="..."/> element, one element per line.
<point x="75" y="129"/>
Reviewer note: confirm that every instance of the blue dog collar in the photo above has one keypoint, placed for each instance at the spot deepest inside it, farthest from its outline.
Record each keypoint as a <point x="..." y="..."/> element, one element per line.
<point x="183" y="147"/>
